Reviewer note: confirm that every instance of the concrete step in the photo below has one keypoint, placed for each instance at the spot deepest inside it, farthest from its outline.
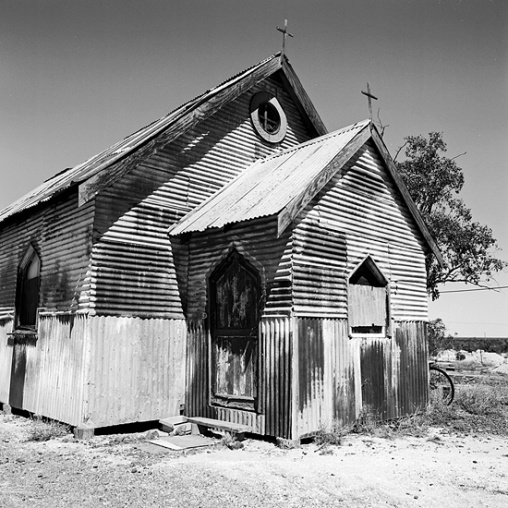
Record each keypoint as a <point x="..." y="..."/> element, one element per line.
<point x="170" y="423"/>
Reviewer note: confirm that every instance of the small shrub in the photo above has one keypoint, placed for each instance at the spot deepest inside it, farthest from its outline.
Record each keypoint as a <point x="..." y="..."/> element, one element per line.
<point x="231" y="442"/>
<point x="333" y="435"/>
<point x="480" y="399"/>
<point x="44" y="429"/>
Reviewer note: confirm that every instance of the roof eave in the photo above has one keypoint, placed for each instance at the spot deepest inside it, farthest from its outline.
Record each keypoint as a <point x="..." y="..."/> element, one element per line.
<point x="205" y="106"/>
<point x="301" y="98"/>
<point x="286" y="216"/>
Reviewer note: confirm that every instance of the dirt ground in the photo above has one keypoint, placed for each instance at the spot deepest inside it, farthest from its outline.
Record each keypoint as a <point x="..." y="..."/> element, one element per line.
<point x="442" y="469"/>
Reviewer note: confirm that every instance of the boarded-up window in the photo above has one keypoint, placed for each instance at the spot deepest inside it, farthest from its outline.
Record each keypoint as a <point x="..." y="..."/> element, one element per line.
<point x="368" y="300"/>
<point x="27" y="297"/>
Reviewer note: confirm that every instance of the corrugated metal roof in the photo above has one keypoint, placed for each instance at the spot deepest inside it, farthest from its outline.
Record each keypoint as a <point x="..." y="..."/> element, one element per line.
<point x="270" y="184"/>
<point x="97" y="163"/>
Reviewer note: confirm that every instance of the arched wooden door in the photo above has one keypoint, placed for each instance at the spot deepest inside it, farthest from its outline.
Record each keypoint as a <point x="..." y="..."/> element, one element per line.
<point x="234" y="318"/>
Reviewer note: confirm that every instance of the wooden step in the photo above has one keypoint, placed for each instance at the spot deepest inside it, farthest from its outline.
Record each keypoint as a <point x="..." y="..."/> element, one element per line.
<point x="235" y="428"/>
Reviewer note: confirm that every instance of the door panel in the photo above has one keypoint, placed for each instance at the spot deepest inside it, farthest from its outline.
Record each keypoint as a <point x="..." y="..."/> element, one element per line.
<point x="234" y="315"/>
<point x="236" y="367"/>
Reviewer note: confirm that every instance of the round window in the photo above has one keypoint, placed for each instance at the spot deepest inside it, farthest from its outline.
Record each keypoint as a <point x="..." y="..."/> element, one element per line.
<point x="268" y="117"/>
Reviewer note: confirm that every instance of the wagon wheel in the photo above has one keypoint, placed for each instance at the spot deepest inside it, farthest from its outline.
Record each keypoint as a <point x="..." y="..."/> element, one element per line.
<point x="441" y="384"/>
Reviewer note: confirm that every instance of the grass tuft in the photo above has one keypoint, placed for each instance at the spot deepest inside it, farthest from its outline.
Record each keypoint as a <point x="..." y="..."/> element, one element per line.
<point x="230" y="442"/>
<point x="332" y="436"/>
<point x="44" y="429"/>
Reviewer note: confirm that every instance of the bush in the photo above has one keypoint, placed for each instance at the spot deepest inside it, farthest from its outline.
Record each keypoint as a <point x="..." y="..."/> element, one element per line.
<point x="333" y="435"/>
<point x="483" y="399"/>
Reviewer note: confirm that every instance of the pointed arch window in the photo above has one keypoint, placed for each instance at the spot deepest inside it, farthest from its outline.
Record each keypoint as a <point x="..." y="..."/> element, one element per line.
<point x="27" y="295"/>
<point x="368" y="294"/>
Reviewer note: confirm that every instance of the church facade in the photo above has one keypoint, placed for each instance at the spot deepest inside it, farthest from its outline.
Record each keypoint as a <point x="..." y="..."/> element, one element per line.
<point x="232" y="260"/>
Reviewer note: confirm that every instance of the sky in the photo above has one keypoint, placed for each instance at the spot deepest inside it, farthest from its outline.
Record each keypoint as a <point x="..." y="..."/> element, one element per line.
<point x="77" y="76"/>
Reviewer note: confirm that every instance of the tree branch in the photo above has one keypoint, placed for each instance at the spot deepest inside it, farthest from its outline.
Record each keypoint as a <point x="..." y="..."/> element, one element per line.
<point x="398" y="151"/>
<point x="457" y="156"/>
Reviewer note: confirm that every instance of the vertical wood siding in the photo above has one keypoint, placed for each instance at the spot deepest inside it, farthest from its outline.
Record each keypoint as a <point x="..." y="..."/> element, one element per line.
<point x="332" y="368"/>
<point x="132" y="271"/>
<point x="362" y="209"/>
<point x="134" y="369"/>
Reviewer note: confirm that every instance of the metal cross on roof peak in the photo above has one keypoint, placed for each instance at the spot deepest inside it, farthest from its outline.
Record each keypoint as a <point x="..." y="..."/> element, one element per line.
<point x="285" y="34"/>
<point x="369" y="98"/>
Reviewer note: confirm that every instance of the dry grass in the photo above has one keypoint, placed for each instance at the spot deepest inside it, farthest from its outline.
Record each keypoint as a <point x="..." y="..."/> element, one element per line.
<point x="44" y="429"/>
<point x="230" y="441"/>
<point x="333" y="435"/>
<point x="479" y="408"/>
<point x="487" y="398"/>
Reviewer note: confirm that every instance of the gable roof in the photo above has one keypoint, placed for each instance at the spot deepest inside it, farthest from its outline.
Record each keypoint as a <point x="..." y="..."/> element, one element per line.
<point x="283" y="184"/>
<point x="92" y="176"/>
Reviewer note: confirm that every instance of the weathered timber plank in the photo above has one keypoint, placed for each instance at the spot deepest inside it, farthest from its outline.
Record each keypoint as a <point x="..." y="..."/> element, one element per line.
<point x="219" y="424"/>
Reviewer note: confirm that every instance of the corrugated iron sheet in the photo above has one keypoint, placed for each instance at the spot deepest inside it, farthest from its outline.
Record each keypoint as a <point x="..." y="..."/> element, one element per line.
<point x="326" y="384"/>
<point x="118" y="151"/>
<point x="258" y="242"/>
<point x="6" y="347"/>
<point x="270" y="184"/>
<point x="339" y="378"/>
<point x="62" y="235"/>
<point x="133" y="369"/>
<point x="55" y="380"/>
<point x="132" y="270"/>
<point x="358" y="213"/>
<point x="274" y="415"/>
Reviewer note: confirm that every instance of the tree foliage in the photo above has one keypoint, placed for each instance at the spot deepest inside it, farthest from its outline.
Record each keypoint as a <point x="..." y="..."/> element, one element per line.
<point x="438" y="339"/>
<point x="434" y="181"/>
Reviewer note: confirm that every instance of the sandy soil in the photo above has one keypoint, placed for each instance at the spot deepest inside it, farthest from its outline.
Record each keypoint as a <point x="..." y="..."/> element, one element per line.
<point x="443" y="469"/>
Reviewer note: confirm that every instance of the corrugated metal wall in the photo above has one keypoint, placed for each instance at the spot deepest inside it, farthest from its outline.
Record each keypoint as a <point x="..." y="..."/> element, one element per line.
<point x="413" y="370"/>
<point x="275" y="367"/>
<point x="271" y="256"/>
<point x="326" y="375"/>
<point x="61" y="233"/>
<point x="276" y="372"/>
<point x="104" y="369"/>
<point x="338" y="377"/>
<point x="358" y="213"/>
<point x="5" y="358"/>
<point x="258" y="242"/>
<point x="54" y="380"/>
<point x="132" y="270"/>
<point x="134" y="370"/>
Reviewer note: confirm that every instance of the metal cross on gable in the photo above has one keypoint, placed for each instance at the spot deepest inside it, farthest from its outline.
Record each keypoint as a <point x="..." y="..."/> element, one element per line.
<point x="369" y="98"/>
<point x="285" y="34"/>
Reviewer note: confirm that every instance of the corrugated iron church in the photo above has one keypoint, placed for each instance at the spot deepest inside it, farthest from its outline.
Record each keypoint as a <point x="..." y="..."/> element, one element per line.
<point x="232" y="260"/>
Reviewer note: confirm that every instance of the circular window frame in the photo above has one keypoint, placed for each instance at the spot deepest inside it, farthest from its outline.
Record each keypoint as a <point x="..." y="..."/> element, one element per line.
<point x="256" y="102"/>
